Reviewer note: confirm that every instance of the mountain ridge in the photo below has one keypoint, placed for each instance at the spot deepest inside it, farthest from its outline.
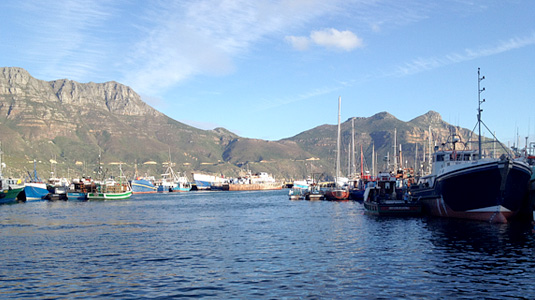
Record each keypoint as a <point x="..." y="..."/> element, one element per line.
<point x="72" y="122"/>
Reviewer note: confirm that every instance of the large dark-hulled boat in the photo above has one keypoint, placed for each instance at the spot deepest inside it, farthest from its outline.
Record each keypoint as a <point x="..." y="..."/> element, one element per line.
<point x="463" y="184"/>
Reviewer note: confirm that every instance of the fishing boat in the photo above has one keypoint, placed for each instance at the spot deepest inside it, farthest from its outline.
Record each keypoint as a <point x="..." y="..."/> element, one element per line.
<point x="339" y="190"/>
<point x="57" y="188"/>
<point x="9" y="188"/>
<point x="314" y="193"/>
<point x="35" y="189"/>
<point x="143" y="185"/>
<point x="464" y="184"/>
<point x="110" y="189"/>
<point x="386" y="197"/>
<point x="79" y="188"/>
<point x="172" y="181"/>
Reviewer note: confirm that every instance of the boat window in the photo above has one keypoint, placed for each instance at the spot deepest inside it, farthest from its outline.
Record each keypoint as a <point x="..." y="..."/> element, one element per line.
<point x="466" y="157"/>
<point x="440" y="157"/>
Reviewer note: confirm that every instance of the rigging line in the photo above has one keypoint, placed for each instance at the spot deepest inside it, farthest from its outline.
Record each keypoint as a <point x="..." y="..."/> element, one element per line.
<point x="501" y="144"/>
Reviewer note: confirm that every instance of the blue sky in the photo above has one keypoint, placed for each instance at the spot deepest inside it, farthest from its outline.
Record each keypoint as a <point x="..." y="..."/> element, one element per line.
<point x="272" y="69"/>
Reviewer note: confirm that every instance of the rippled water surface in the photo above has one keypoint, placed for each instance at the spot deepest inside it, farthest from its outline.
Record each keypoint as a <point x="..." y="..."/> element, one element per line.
<point x="254" y="245"/>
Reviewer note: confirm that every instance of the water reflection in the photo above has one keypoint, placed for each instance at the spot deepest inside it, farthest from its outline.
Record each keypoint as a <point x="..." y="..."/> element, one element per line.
<point x="254" y="245"/>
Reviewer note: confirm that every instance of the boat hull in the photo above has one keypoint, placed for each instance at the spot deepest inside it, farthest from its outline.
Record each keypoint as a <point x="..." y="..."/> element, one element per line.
<point x="393" y="209"/>
<point x="356" y="194"/>
<point x="496" y="192"/>
<point x="337" y="194"/>
<point x="181" y="188"/>
<point x="254" y="187"/>
<point x="76" y="196"/>
<point x="142" y="186"/>
<point x="10" y="195"/>
<point x="109" y="196"/>
<point x="35" y="192"/>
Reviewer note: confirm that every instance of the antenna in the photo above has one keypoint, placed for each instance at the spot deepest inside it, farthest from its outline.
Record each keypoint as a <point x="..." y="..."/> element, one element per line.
<point x="479" y="110"/>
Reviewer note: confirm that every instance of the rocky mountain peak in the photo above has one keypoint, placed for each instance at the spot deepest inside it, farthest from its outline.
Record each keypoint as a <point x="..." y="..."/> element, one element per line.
<point x="431" y="117"/>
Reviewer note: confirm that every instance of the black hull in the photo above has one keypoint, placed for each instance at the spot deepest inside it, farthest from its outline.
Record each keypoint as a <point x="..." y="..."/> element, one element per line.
<point x="397" y="208"/>
<point x="491" y="191"/>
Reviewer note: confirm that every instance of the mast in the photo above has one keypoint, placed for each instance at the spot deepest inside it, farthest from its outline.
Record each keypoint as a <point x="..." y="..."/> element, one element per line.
<point x="416" y="159"/>
<point x="338" y="142"/>
<point x="361" y="163"/>
<point x="479" y="110"/>
<point x="1" y="166"/>
<point x="349" y="160"/>
<point x="353" y="145"/>
<point x="430" y="157"/>
<point x="400" y="157"/>
<point x="395" y="150"/>
<point x="373" y="160"/>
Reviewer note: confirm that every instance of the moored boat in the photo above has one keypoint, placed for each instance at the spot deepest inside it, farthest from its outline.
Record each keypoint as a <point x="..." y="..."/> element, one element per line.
<point x="296" y="194"/>
<point x="338" y="191"/>
<point x="9" y="188"/>
<point x="143" y="185"/>
<point x="204" y="181"/>
<point x="79" y="188"/>
<point x="110" y="189"/>
<point x="464" y="184"/>
<point x="34" y="188"/>
<point x="383" y="197"/>
<point x="172" y="181"/>
<point x="254" y="182"/>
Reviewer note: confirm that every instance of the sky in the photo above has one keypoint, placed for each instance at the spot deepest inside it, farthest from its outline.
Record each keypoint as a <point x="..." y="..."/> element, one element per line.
<point x="273" y="69"/>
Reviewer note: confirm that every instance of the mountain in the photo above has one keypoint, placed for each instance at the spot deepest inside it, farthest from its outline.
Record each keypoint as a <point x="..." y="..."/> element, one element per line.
<point x="64" y="125"/>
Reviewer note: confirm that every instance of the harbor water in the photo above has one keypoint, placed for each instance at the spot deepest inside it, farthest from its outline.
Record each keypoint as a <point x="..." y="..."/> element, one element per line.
<point x="254" y="245"/>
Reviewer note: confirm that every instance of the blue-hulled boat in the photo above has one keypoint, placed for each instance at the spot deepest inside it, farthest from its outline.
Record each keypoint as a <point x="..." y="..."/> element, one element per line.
<point x="142" y="185"/>
<point x="34" y="188"/>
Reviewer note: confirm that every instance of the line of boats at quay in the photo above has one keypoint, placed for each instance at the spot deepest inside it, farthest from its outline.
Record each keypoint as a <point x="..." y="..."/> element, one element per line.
<point x="33" y="188"/>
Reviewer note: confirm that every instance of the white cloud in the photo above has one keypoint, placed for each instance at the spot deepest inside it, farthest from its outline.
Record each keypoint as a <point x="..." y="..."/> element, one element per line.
<point x="332" y="38"/>
<point x="329" y="38"/>
<point x="300" y="43"/>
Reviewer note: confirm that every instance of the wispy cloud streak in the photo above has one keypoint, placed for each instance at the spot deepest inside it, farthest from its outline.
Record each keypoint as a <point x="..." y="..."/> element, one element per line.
<point x="205" y="37"/>
<point x="424" y="64"/>
<point x="63" y="36"/>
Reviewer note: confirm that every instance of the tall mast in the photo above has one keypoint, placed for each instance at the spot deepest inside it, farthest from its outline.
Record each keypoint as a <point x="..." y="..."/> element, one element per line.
<point x="395" y="150"/>
<point x="1" y="167"/>
<point x="338" y="141"/>
<point x="479" y="110"/>
<point x="348" y="160"/>
<point x="416" y="159"/>
<point x="361" y="162"/>
<point x="353" y="146"/>
<point x="430" y="144"/>
<point x="373" y="160"/>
